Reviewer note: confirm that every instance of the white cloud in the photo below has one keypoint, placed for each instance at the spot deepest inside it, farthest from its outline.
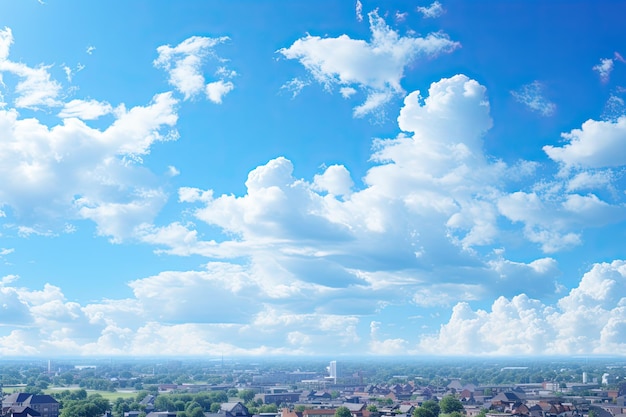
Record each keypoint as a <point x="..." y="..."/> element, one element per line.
<point x="531" y="95"/>
<point x="585" y="321"/>
<point x="299" y="262"/>
<point x="604" y="69"/>
<point x="358" y="9"/>
<point x="35" y="88"/>
<point x="597" y="144"/>
<point x="590" y="181"/>
<point x="184" y="64"/>
<point x="294" y="86"/>
<point x="215" y="91"/>
<point x="434" y="10"/>
<point x="396" y="346"/>
<point x="72" y="170"/>
<point x="90" y="49"/>
<point x="85" y="109"/>
<point x="347" y="92"/>
<point x="335" y="180"/>
<point x="401" y="17"/>
<point x="375" y="67"/>
<point x="614" y="108"/>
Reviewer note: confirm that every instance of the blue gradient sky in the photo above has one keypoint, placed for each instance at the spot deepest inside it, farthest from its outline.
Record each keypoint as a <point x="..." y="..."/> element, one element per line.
<point x="312" y="178"/>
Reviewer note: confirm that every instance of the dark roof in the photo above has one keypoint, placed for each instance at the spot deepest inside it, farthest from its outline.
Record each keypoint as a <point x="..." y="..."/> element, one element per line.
<point x="26" y="398"/>
<point x="16" y="397"/>
<point x="506" y="397"/>
<point x="20" y="410"/>
<point x="42" y="399"/>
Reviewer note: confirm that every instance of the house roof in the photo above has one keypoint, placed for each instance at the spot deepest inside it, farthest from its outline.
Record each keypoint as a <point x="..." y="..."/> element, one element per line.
<point x="26" y="398"/>
<point x="354" y="407"/>
<point x="506" y="397"/>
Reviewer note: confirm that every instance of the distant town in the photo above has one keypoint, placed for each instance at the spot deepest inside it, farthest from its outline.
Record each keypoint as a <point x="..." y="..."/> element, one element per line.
<point x="370" y="387"/>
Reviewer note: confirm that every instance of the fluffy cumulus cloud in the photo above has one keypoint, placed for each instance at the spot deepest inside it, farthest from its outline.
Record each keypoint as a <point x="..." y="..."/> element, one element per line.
<point x="322" y="248"/>
<point x="56" y="171"/>
<point x="184" y="64"/>
<point x="375" y="68"/>
<point x="73" y="170"/>
<point x="304" y="264"/>
<point x="597" y="144"/>
<point x="590" y="319"/>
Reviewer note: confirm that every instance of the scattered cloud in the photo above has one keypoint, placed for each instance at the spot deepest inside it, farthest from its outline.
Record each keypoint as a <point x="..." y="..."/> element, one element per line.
<point x="294" y="86"/>
<point x="434" y="10"/>
<point x="216" y="90"/>
<point x="36" y="88"/>
<point x="614" y="108"/>
<point x="604" y="69"/>
<point x="401" y="17"/>
<point x="606" y="65"/>
<point x="90" y="49"/>
<point x="375" y="67"/>
<point x="184" y="64"/>
<point x="531" y="95"/>
<point x="358" y="9"/>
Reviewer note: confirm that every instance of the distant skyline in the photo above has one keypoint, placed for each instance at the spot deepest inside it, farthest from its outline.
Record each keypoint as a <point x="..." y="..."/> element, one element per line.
<point x="335" y="178"/>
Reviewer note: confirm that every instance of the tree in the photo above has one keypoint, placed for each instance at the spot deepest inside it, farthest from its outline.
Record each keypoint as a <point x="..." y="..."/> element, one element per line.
<point x="449" y="404"/>
<point x="372" y="408"/>
<point x="196" y="412"/>
<point x="432" y="406"/>
<point x="423" y="412"/>
<point x="246" y="395"/>
<point x="215" y="407"/>
<point x="268" y="408"/>
<point x="343" y="412"/>
<point x="163" y="403"/>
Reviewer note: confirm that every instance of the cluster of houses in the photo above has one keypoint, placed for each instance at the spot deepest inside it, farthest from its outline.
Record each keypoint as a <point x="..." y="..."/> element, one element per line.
<point x="399" y="400"/>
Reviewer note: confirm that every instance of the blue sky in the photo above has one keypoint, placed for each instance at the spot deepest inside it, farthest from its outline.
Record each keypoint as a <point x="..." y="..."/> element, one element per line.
<point x="312" y="178"/>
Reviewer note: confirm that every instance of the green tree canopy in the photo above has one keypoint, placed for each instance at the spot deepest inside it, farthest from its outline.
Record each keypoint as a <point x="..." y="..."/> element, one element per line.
<point x="246" y="395"/>
<point x="423" y="412"/>
<point x="449" y="404"/>
<point x="432" y="406"/>
<point x="343" y="412"/>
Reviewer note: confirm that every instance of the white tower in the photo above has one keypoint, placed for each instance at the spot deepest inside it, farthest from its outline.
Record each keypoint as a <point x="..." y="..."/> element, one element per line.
<point x="332" y="371"/>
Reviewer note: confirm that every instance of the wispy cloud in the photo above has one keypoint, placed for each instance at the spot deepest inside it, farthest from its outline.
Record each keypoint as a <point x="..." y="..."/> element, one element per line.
<point x="532" y="96"/>
<point x="36" y="88"/>
<point x="606" y="65"/>
<point x="359" y="10"/>
<point x="435" y="9"/>
<point x="294" y="86"/>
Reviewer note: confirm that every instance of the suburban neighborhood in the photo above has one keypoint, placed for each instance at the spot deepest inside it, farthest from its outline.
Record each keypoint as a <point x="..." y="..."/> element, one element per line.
<point x="335" y="392"/>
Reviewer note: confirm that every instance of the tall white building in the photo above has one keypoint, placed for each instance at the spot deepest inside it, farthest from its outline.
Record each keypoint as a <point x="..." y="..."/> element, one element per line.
<point x="333" y="371"/>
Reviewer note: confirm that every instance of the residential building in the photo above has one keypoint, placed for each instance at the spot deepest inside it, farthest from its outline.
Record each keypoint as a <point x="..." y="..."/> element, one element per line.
<point x="45" y="405"/>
